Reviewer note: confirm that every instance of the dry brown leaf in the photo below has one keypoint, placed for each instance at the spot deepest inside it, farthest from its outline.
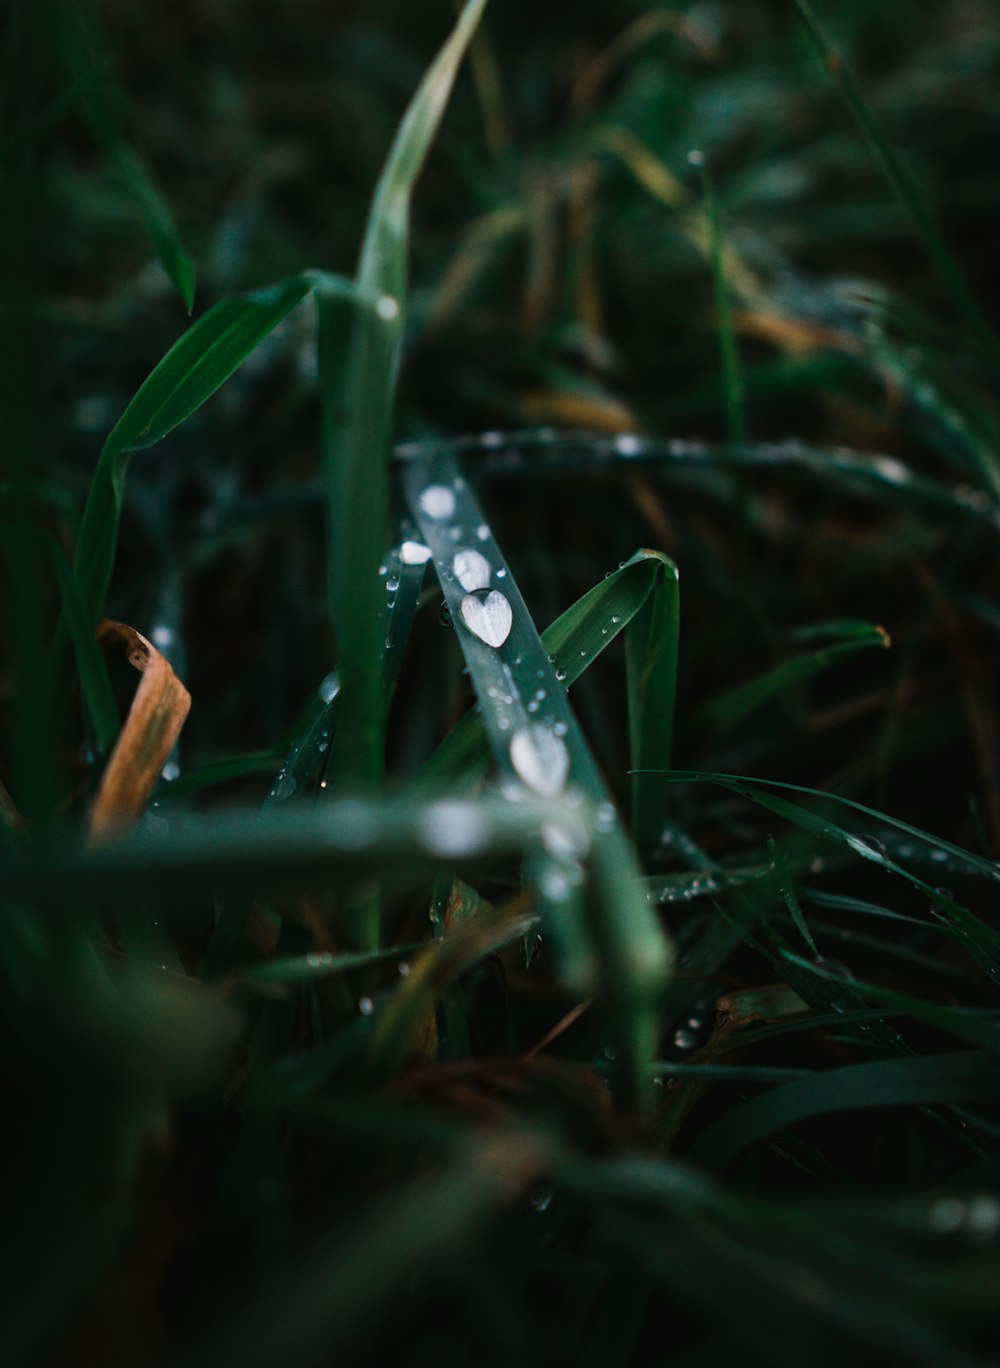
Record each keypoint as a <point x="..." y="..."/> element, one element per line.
<point x="154" y="722"/>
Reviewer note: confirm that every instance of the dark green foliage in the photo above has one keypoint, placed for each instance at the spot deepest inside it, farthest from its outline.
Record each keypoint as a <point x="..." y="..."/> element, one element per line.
<point x="510" y="968"/>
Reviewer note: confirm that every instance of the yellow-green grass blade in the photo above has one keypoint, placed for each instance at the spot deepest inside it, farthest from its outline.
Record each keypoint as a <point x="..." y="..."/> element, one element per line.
<point x="202" y="359"/>
<point x="103" y="106"/>
<point x="739" y="702"/>
<point x="358" y="408"/>
<point x="538" y="748"/>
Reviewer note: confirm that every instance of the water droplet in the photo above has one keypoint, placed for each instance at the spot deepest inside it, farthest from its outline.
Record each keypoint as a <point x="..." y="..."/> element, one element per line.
<point x="162" y="636"/>
<point x="983" y="1219"/>
<point x="696" y="157"/>
<point x="171" y="771"/>
<point x="329" y="688"/>
<point x="540" y="759"/>
<point x="553" y="884"/>
<point x="501" y="573"/>
<point x="610" y="1052"/>
<point x="868" y="843"/>
<point x="489" y="618"/>
<point x="562" y="843"/>
<point x="604" y="817"/>
<point x="616" y="618"/>
<point x="561" y="676"/>
<point x="684" y="1039"/>
<point x="387" y="308"/>
<point x="541" y="1200"/>
<point x="365" y="1006"/>
<point x="627" y="444"/>
<point x="284" y="786"/>
<point x="452" y="829"/>
<point x="482" y="532"/>
<point x="414" y="553"/>
<point x="892" y="470"/>
<point x="437" y="501"/>
<point x="472" y="570"/>
<point x="559" y="729"/>
<point x="403" y="968"/>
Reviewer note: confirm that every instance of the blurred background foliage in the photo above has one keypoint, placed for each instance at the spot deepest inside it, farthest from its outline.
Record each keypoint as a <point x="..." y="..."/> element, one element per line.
<point x="562" y="278"/>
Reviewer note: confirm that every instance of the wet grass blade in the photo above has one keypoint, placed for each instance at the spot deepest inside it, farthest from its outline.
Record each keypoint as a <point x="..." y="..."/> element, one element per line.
<point x="732" y="384"/>
<point x="539" y="749"/>
<point x="960" y="1076"/>
<point x="733" y="705"/>
<point x="356" y="443"/>
<point x="573" y="642"/>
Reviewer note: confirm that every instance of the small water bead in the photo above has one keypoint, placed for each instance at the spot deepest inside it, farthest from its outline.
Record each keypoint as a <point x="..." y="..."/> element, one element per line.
<point x="392" y="583"/>
<point x="452" y="829"/>
<point x="696" y="157"/>
<point x="403" y="968"/>
<point x="490" y="618"/>
<point x="483" y="532"/>
<point x="329" y="688"/>
<point x="171" y="771"/>
<point x="627" y="444"/>
<point x="684" y="1040"/>
<point x="892" y="470"/>
<point x="365" y="1006"/>
<point x="559" y="729"/>
<point x="162" y="636"/>
<point x="871" y="843"/>
<point x="501" y="573"/>
<point x="604" y="817"/>
<point x="561" y="676"/>
<point x="437" y="501"/>
<point x="616" y="618"/>
<point x="472" y="570"/>
<point x="540" y="760"/>
<point x="387" y="308"/>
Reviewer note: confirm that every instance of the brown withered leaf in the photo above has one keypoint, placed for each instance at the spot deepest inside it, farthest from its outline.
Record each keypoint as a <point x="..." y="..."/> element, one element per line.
<point x="154" y="721"/>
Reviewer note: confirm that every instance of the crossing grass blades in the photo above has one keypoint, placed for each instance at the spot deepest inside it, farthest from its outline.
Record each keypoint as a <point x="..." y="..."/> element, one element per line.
<point x="498" y="964"/>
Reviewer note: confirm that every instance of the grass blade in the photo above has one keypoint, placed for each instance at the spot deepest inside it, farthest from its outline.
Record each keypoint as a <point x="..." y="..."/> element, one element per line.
<point x="538" y="748"/>
<point x="961" y="1076"/>
<point x="651" y="650"/>
<point x="103" y="106"/>
<point x="356" y="447"/>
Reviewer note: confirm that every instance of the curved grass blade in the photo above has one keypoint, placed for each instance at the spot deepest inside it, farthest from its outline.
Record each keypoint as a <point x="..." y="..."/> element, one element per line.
<point x="192" y="370"/>
<point x="960" y="1076"/>
<point x="982" y="942"/>
<point x="356" y="446"/>
<point x="103" y="105"/>
<point x="733" y="705"/>
<point x="872" y="475"/>
<point x="538" y="748"/>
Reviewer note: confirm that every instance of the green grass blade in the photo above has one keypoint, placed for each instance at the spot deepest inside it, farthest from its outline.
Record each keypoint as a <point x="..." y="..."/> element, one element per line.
<point x="904" y="188"/>
<point x="732" y="384"/>
<point x="193" y="369"/>
<point x="103" y="105"/>
<point x="539" y="748"/>
<point x="573" y="642"/>
<point x="356" y="444"/>
<point x="651" y="649"/>
<point x="733" y="705"/>
<point x="960" y="1076"/>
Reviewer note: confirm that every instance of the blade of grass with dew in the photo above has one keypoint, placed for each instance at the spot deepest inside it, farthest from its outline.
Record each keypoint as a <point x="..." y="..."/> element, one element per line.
<point x="651" y="647"/>
<point x="904" y="188"/>
<point x="979" y="939"/>
<point x="356" y="443"/>
<point x="873" y="475"/>
<point x="921" y="1080"/>
<point x="735" y="704"/>
<point x="103" y="105"/>
<point x="201" y="360"/>
<point x="975" y="1026"/>
<point x="342" y="842"/>
<point x="573" y="642"/>
<point x="538" y="748"/>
